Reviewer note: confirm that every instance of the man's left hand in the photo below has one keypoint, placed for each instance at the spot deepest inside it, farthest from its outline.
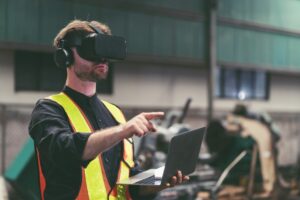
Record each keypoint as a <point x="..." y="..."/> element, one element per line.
<point x="177" y="179"/>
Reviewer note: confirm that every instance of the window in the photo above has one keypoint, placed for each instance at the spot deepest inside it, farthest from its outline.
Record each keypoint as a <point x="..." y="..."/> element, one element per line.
<point x="241" y="84"/>
<point x="35" y="71"/>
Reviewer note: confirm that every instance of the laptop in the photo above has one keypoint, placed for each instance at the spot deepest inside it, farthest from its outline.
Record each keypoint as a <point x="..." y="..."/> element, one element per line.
<point x="182" y="155"/>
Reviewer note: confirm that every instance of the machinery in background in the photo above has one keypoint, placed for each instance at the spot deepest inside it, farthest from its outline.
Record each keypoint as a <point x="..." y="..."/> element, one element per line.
<point x="256" y="133"/>
<point x="230" y="157"/>
<point x="153" y="150"/>
<point x="236" y="166"/>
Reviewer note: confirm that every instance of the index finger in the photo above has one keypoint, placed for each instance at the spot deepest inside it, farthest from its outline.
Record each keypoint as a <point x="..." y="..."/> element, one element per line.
<point x="153" y="115"/>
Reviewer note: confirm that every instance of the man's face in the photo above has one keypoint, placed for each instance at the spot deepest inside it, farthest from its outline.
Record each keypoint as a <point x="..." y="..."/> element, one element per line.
<point x="88" y="70"/>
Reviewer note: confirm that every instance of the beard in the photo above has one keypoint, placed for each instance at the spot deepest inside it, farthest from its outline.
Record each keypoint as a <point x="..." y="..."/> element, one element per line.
<point x="93" y="75"/>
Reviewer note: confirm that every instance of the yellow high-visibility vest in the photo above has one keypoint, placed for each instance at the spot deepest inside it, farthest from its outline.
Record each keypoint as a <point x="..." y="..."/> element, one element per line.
<point x="95" y="185"/>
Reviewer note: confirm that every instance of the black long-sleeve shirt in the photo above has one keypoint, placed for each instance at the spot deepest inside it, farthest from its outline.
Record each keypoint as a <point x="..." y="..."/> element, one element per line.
<point x="61" y="149"/>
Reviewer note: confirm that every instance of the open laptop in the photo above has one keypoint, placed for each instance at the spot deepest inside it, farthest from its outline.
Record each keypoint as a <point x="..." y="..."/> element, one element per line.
<point x="182" y="155"/>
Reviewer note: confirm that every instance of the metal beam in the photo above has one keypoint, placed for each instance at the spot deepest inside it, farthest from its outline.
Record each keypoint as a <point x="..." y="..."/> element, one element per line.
<point x="3" y="143"/>
<point x="25" y="46"/>
<point x="212" y="56"/>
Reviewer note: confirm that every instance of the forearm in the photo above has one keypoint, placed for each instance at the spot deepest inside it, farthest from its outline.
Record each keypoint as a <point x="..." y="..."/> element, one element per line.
<point x="102" y="140"/>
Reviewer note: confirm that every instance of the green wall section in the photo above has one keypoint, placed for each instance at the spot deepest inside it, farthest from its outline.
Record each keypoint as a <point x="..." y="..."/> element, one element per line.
<point x="162" y="34"/>
<point x="279" y="13"/>
<point x="165" y="36"/>
<point x="2" y="18"/>
<point x="265" y="49"/>
<point x="258" y="48"/>
<point x="22" y="20"/>
<point x="157" y="35"/>
<point x="37" y="22"/>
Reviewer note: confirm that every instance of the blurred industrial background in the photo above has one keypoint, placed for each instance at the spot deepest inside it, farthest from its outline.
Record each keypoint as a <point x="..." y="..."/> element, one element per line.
<point x="216" y="52"/>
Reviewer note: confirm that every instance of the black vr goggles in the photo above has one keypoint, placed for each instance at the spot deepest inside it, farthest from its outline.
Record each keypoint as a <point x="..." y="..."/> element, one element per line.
<point x="95" y="47"/>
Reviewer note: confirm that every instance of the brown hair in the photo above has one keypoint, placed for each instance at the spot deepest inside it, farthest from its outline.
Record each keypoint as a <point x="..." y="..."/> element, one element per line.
<point x="80" y="27"/>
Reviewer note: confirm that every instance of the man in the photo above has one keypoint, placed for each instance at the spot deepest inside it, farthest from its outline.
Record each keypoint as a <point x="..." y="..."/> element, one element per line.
<point x="83" y="144"/>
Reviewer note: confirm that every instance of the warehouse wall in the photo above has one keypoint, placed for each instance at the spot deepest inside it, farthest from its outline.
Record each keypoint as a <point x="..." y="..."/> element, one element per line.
<point x="150" y="85"/>
<point x="146" y="86"/>
<point x="134" y="86"/>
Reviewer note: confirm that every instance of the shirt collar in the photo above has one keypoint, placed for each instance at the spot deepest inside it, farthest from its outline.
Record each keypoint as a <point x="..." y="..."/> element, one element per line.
<point x="77" y="96"/>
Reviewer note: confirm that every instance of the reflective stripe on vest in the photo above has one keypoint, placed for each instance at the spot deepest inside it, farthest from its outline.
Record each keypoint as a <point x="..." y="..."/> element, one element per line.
<point x="122" y="191"/>
<point x="94" y="183"/>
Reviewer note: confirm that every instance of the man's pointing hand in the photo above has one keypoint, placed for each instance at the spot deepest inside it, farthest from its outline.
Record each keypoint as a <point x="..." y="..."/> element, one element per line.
<point x="141" y="124"/>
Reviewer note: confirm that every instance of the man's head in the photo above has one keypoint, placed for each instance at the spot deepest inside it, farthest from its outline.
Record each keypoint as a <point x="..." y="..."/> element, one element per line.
<point x="82" y="28"/>
<point x="71" y="53"/>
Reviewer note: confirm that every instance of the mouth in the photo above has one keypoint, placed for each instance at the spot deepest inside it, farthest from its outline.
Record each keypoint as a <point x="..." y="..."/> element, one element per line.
<point x="101" y="67"/>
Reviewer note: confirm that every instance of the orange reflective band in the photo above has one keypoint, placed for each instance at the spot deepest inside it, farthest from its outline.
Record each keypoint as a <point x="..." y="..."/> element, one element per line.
<point x="83" y="193"/>
<point x="128" y="153"/>
<point x="41" y="175"/>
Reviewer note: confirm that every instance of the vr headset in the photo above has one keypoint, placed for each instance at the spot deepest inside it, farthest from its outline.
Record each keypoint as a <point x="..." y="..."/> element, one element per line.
<point x="95" y="47"/>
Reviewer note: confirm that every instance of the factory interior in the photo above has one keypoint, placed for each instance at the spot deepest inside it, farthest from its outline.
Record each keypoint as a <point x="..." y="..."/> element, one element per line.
<point x="226" y="69"/>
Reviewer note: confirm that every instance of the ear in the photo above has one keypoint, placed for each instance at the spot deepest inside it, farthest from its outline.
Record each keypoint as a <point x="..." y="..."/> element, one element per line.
<point x="63" y="57"/>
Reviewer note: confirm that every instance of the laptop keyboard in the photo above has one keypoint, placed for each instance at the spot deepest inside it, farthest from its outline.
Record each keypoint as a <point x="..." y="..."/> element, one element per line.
<point x="149" y="180"/>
